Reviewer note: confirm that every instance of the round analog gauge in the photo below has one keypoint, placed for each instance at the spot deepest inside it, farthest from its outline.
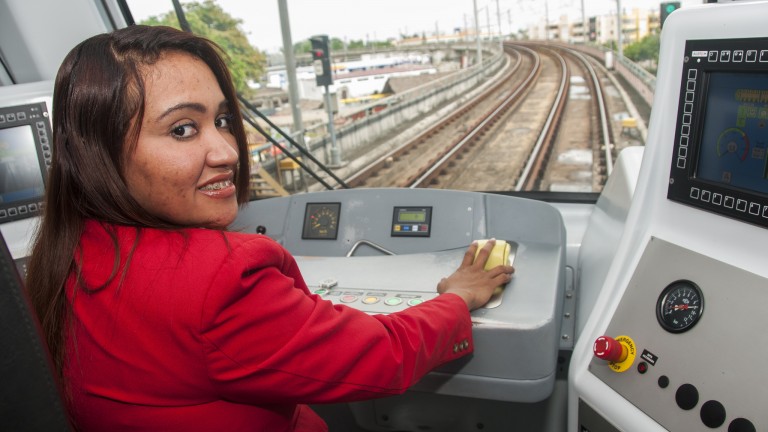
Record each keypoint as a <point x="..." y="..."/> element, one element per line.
<point x="321" y="221"/>
<point x="680" y="306"/>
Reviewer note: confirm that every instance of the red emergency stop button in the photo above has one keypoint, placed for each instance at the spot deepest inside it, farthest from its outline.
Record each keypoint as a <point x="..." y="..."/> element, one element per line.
<point x="608" y="348"/>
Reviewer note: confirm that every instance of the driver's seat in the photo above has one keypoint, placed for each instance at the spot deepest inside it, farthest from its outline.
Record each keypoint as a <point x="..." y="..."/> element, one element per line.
<point x="30" y="399"/>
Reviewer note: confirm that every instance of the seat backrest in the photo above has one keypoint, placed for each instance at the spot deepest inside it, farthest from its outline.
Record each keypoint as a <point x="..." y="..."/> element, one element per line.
<point x="30" y="399"/>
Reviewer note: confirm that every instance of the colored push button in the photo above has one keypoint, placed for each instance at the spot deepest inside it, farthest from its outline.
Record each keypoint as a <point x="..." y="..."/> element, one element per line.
<point x="620" y="352"/>
<point x="608" y="348"/>
<point x="370" y="300"/>
<point x="348" y="298"/>
<point x="393" y="301"/>
<point x="415" y="301"/>
<point x="321" y="291"/>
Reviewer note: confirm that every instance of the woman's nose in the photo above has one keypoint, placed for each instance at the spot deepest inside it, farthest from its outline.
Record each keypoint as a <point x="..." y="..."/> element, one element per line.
<point x="223" y="149"/>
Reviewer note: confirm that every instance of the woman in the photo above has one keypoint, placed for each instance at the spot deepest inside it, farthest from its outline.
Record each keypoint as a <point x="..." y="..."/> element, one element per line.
<point x="156" y="316"/>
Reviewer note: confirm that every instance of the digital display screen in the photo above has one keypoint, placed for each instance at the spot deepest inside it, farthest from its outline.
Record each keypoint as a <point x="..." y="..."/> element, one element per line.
<point x="411" y="222"/>
<point x="734" y="139"/>
<point x="20" y="175"/>
<point x="420" y="216"/>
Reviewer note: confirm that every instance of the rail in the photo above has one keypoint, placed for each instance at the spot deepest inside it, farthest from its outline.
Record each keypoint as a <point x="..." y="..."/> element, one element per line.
<point x="433" y="171"/>
<point x="605" y="128"/>
<point x="536" y="161"/>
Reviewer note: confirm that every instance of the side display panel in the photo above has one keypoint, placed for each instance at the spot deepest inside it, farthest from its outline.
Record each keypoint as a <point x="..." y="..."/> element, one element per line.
<point x="25" y="154"/>
<point x="720" y="162"/>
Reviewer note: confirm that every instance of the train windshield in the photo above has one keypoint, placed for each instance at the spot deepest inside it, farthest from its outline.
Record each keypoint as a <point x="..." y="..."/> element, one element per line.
<point x="503" y="96"/>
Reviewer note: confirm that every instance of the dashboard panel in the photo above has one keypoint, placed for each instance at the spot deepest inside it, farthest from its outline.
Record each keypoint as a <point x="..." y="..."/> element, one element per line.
<point x="353" y="249"/>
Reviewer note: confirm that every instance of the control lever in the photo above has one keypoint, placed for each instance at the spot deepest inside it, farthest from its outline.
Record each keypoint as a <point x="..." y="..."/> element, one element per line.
<point x="503" y="253"/>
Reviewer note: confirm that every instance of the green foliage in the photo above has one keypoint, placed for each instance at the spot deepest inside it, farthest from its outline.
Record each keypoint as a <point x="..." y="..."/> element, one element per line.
<point x="646" y="51"/>
<point x="207" y="19"/>
<point x="337" y="45"/>
<point x="303" y="47"/>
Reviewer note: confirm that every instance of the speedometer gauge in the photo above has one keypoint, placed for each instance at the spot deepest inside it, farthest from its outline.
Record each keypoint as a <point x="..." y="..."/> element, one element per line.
<point x="321" y="221"/>
<point x="680" y="306"/>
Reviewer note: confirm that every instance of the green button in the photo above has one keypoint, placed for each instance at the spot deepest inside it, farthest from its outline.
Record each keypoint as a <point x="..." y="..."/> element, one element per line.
<point x="393" y="301"/>
<point x="321" y="291"/>
<point x="416" y="301"/>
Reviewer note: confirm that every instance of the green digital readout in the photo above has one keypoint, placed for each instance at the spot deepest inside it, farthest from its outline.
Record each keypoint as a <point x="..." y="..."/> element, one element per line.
<point x="412" y="221"/>
<point x="420" y="216"/>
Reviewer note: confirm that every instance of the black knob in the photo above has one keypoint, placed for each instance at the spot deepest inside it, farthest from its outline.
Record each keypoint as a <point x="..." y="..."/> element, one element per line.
<point x="687" y="396"/>
<point x="261" y="229"/>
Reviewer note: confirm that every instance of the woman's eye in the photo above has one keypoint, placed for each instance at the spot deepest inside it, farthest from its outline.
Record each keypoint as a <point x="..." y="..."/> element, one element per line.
<point x="224" y="121"/>
<point x="184" y="131"/>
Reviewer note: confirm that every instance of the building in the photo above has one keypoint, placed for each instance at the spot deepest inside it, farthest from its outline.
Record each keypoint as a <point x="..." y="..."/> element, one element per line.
<point x="355" y="80"/>
<point x="636" y="24"/>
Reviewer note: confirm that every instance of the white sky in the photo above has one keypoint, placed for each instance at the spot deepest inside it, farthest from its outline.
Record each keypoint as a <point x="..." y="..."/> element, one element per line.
<point x="382" y="19"/>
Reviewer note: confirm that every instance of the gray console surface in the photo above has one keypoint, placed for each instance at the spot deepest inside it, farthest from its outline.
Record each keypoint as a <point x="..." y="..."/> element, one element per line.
<point x="516" y="342"/>
<point x="689" y="375"/>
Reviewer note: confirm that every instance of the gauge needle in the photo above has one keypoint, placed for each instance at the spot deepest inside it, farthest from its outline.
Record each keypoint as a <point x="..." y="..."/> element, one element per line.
<point x="684" y="307"/>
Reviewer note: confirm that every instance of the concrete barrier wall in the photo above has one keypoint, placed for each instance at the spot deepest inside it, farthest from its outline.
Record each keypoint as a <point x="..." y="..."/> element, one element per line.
<point x="643" y="81"/>
<point x="401" y="109"/>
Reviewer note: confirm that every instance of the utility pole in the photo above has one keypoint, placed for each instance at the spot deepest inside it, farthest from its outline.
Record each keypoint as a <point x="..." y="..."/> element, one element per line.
<point x="477" y="35"/>
<point x="584" y="29"/>
<point x="466" y="28"/>
<point x="290" y="71"/>
<point x="488" y="21"/>
<point x="498" y="17"/>
<point x="620" y="36"/>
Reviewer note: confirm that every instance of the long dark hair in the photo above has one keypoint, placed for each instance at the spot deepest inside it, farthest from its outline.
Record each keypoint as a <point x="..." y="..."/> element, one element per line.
<point x="98" y="107"/>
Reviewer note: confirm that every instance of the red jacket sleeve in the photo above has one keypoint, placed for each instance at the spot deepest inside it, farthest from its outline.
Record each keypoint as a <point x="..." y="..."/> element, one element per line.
<point x="268" y="340"/>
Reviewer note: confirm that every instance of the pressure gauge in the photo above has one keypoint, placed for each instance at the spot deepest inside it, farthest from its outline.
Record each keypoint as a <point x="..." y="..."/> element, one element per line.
<point x="680" y="306"/>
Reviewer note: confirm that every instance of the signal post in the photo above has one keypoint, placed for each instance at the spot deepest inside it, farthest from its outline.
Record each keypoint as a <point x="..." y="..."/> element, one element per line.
<point x="321" y="62"/>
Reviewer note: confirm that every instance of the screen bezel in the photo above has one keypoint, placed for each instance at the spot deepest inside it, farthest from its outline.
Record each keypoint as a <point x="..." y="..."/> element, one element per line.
<point x="396" y="230"/>
<point x="329" y="209"/>
<point x="34" y="116"/>
<point x="702" y="59"/>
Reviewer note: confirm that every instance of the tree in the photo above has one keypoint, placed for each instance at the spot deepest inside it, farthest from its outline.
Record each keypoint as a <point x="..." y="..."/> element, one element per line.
<point x="337" y="45"/>
<point x="645" y="51"/>
<point x="246" y="63"/>
<point x="302" y="47"/>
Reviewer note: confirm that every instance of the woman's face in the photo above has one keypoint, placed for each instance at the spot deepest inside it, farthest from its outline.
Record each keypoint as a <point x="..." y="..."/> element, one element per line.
<point x="183" y="166"/>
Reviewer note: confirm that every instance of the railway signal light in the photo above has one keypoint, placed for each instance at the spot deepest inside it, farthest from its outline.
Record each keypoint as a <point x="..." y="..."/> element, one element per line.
<point x="665" y="9"/>
<point x="321" y="60"/>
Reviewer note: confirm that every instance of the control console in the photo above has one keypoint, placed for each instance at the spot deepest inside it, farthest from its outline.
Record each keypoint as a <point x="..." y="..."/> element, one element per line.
<point x="385" y="250"/>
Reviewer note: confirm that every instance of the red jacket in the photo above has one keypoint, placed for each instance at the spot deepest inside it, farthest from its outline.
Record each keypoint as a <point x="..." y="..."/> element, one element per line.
<point x="217" y="331"/>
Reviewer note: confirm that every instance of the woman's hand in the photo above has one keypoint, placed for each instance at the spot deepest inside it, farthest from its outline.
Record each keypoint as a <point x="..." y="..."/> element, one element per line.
<point x="471" y="282"/>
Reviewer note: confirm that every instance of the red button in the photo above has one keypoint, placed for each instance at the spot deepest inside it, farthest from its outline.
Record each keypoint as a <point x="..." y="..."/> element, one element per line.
<point x="348" y="298"/>
<point x="608" y="348"/>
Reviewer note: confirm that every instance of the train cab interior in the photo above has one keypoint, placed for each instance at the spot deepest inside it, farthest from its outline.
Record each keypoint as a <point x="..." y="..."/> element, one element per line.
<point x="637" y="309"/>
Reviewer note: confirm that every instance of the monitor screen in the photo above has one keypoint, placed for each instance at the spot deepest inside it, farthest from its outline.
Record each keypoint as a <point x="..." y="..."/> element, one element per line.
<point x="734" y="140"/>
<point x="25" y="155"/>
<point x="720" y="148"/>
<point x="20" y="175"/>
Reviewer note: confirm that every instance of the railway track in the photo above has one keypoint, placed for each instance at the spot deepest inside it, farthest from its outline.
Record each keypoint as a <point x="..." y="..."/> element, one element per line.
<point x="544" y="126"/>
<point x="403" y="165"/>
